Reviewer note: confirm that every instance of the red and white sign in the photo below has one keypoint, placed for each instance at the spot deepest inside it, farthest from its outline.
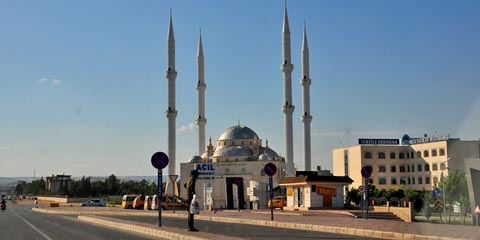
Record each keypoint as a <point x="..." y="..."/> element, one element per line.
<point x="173" y="177"/>
<point x="477" y="210"/>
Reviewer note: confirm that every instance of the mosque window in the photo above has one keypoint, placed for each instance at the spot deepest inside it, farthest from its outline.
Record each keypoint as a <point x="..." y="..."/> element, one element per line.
<point x="401" y="155"/>
<point x="381" y="155"/>
<point x="434" y="167"/>
<point x="425" y="153"/>
<point x="434" y="152"/>
<point x="427" y="167"/>
<point x="442" y="152"/>
<point x="393" y="168"/>
<point x="393" y="155"/>
<point x="367" y="155"/>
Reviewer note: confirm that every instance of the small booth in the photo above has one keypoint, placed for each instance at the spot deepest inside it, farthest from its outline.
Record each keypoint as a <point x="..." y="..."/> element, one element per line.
<point x="307" y="190"/>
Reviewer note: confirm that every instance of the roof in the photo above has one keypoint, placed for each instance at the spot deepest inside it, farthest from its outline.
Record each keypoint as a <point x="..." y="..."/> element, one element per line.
<point x="233" y="151"/>
<point x="312" y="178"/>
<point x="238" y="132"/>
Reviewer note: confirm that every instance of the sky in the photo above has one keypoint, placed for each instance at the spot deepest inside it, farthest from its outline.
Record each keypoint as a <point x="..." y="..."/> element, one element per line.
<point x="83" y="88"/>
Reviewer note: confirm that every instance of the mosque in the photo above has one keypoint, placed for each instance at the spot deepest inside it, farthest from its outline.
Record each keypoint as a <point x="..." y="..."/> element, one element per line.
<point x="232" y="173"/>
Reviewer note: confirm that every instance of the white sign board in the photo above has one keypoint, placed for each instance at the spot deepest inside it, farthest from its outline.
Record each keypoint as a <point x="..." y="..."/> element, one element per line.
<point x="209" y="191"/>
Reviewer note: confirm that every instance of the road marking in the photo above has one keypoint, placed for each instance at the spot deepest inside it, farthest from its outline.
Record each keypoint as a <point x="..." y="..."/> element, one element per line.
<point x="34" y="228"/>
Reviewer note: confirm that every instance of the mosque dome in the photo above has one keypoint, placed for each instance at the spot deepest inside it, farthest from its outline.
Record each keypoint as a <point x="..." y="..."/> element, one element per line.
<point x="405" y="139"/>
<point x="264" y="157"/>
<point x="195" y="159"/>
<point x="269" y="151"/>
<point x="233" y="151"/>
<point x="238" y="132"/>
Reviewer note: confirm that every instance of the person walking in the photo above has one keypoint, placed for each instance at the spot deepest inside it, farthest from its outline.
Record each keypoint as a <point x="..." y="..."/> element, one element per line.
<point x="190" y="186"/>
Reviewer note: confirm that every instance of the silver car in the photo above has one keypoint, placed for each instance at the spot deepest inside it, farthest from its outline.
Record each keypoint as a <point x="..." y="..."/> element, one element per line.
<point x="93" y="203"/>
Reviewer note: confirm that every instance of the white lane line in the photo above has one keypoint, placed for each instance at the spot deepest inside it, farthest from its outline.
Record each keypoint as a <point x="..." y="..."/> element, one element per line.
<point x="34" y="228"/>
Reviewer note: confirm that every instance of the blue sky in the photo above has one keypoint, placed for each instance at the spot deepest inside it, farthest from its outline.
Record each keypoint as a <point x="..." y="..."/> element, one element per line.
<point x="83" y="87"/>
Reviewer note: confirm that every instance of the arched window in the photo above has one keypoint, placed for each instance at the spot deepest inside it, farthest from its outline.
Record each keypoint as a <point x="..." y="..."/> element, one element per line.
<point x="382" y="169"/>
<point x="420" y="180"/>
<point x="434" y="152"/>
<point x="419" y="154"/>
<point x="402" y="168"/>
<point x="419" y="167"/>
<point x="434" y="167"/>
<point x="427" y="167"/>
<point x="408" y="168"/>
<point x="367" y="155"/>
<point x="442" y="152"/>
<point x="393" y="180"/>
<point x="393" y="155"/>
<point x="427" y="180"/>
<point x="412" y="155"/>
<point x="381" y="155"/>
<point x="401" y="155"/>
<point x="382" y="181"/>
<point x="403" y="181"/>
<point x="425" y="153"/>
<point x="393" y="168"/>
<point x="442" y="166"/>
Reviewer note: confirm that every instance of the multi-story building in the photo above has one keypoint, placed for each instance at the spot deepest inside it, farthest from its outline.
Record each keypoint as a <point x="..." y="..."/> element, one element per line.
<point x="415" y="163"/>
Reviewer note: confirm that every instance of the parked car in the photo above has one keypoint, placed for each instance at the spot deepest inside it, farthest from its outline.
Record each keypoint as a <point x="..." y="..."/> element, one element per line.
<point x="127" y="201"/>
<point x="168" y="203"/>
<point x="278" y="202"/>
<point x="94" y="203"/>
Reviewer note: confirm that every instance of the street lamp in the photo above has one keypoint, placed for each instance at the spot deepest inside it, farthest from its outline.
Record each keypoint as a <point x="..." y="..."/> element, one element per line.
<point x="445" y="192"/>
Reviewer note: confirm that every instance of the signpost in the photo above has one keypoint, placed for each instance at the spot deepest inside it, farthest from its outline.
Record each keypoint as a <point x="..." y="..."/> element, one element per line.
<point x="173" y="178"/>
<point x="477" y="211"/>
<point x="270" y="169"/>
<point x="159" y="161"/>
<point x="366" y="173"/>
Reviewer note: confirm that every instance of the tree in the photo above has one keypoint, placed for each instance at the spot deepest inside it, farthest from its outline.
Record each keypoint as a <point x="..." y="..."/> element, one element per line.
<point x="455" y="190"/>
<point x="353" y="196"/>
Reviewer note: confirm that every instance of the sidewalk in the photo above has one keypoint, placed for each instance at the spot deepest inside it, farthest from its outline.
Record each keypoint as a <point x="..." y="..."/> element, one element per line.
<point x="334" y="221"/>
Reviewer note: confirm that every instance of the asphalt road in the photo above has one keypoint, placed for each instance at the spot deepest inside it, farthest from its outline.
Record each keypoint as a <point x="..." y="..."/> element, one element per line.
<point x="19" y="222"/>
<point x="240" y="230"/>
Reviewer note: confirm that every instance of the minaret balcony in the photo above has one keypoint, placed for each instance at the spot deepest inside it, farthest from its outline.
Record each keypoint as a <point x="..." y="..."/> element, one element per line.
<point x="171" y="74"/>
<point x="288" y="67"/>
<point x="306" y="82"/>
<point x="288" y="108"/>
<point x="307" y="118"/>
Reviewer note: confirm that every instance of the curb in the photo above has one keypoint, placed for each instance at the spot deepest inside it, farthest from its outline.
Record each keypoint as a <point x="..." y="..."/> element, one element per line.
<point x="288" y="225"/>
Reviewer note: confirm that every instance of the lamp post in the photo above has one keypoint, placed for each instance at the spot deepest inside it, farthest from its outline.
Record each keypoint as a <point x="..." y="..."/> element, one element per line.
<point x="445" y="191"/>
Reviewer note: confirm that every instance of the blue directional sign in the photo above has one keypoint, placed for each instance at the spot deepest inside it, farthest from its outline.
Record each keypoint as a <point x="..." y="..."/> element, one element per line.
<point x="437" y="193"/>
<point x="159" y="160"/>
<point x="270" y="169"/>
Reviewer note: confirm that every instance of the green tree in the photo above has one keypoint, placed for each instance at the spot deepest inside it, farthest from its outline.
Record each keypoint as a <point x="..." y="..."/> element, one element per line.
<point x="455" y="190"/>
<point x="353" y="196"/>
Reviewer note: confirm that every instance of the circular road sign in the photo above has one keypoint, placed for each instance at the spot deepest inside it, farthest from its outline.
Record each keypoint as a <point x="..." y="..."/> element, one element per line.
<point x="361" y="189"/>
<point x="270" y="169"/>
<point x="367" y="171"/>
<point x="159" y="160"/>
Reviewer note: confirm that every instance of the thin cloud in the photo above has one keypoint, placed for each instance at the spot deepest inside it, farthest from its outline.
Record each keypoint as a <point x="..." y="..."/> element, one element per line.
<point x="187" y="128"/>
<point x="41" y="80"/>
<point x="56" y="81"/>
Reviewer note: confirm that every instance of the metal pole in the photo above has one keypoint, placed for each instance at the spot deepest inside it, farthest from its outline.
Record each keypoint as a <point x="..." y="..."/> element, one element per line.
<point x="444" y="198"/>
<point x="366" y="196"/>
<point x="271" y="196"/>
<point x="159" y="197"/>
<point x="174" y="200"/>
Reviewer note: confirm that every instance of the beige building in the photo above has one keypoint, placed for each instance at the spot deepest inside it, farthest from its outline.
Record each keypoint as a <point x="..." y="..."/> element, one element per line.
<point x="415" y="163"/>
<point x="231" y="174"/>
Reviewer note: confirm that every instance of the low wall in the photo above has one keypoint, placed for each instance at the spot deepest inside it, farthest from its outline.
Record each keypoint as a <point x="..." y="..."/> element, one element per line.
<point x="405" y="213"/>
<point x="76" y="200"/>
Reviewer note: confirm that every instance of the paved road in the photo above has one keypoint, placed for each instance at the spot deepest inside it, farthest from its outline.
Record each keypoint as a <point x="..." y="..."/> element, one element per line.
<point x="19" y="222"/>
<point x="240" y="230"/>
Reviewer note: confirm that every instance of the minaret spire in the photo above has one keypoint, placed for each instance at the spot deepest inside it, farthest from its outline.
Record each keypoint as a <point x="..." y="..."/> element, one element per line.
<point x="288" y="106"/>
<point x="171" y="112"/>
<point x="201" y="86"/>
<point x="306" y="117"/>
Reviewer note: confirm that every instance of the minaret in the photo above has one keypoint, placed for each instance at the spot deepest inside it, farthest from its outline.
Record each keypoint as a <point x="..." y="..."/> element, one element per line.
<point x="171" y="112"/>
<point x="201" y="86"/>
<point x="306" y="117"/>
<point x="288" y="107"/>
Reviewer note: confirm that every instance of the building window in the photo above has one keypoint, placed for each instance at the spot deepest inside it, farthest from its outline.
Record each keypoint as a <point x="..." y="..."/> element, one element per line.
<point x="442" y="166"/>
<point x="419" y="154"/>
<point x="367" y="155"/>
<point x="427" y="167"/>
<point x="408" y="155"/>
<point x="393" y="181"/>
<point x="412" y="155"/>
<point x="381" y="155"/>
<point x="409" y="181"/>
<point x="403" y="181"/>
<point x="434" y="152"/>
<point x="401" y="155"/>
<point x="435" y="180"/>
<point x="442" y="152"/>
<point x="382" y="169"/>
<point x="382" y="181"/>
<point x="393" y="168"/>
<point x="427" y="180"/>
<point x="425" y="153"/>
<point x="393" y="155"/>
<point x="419" y="167"/>
<point x="413" y="168"/>
<point x="434" y="167"/>
<point x="413" y="180"/>
<point x="345" y="161"/>
<point x="402" y="168"/>
<point x="408" y="168"/>
<point x="420" y="180"/>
